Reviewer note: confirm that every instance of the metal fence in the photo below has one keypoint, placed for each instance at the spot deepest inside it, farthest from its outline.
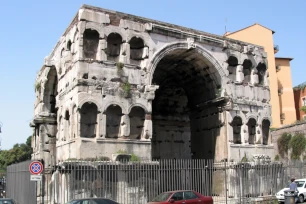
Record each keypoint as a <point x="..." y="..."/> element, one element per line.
<point x="138" y="182"/>
<point x="18" y="184"/>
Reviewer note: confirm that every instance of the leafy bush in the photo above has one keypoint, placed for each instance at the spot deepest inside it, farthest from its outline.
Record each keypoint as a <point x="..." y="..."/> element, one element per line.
<point x="303" y="108"/>
<point x="276" y="158"/>
<point x="283" y="144"/>
<point x="297" y="144"/>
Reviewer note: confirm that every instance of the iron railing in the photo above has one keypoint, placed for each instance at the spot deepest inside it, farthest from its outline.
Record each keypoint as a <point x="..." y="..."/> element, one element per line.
<point x="138" y="182"/>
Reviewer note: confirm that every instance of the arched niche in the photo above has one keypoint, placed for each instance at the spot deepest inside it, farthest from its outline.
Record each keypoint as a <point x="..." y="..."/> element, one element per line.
<point x="89" y="114"/>
<point x="265" y="131"/>
<point x="113" y="119"/>
<point x="247" y="67"/>
<point x="232" y="66"/>
<point x="252" y="130"/>
<point x="261" y="71"/>
<point x="137" y="118"/>
<point x="90" y="43"/>
<point x="136" y="50"/>
<point x="67" y="125"/>
<point x="236" y="124"/>
<point x="114" y="41"/>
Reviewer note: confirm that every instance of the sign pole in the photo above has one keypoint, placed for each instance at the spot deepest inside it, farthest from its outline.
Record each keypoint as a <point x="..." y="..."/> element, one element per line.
<point x="42" y="188"/>
<point x="36" y="169"/>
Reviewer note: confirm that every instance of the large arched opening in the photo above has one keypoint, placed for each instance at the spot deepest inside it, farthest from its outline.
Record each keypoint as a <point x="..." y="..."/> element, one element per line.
<point x="185" y="112"/>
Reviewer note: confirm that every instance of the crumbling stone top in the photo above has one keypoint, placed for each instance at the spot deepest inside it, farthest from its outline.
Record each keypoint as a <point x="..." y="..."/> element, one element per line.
<point x="116" y="16"/>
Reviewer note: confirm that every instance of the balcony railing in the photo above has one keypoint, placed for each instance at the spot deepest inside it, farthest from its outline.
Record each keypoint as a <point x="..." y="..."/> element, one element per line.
<point x="276" y="49"/>
<point x="282" y="116"/>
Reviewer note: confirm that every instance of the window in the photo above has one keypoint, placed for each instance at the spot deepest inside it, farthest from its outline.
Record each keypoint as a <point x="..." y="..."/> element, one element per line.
<point x="177" y="196"/>
<point x="304" y="101"/>
<point x="188" y="195"/>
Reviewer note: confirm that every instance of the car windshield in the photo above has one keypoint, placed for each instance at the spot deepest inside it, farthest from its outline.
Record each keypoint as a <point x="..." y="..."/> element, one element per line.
<point x="161" y="197"/>
<point x="300" y="183"/>
<point x="6" y="202"/>
<point x="94" y="201"/>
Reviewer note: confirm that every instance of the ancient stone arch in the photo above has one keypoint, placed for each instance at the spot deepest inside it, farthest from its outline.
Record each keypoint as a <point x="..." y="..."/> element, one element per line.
<point x="183" y="45"/>
<point x="139" y="105"/>
<point x="182" y="93"/>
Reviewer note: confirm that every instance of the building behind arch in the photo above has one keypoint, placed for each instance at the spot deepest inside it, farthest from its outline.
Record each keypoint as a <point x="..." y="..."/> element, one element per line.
<point x="280" y="81"/>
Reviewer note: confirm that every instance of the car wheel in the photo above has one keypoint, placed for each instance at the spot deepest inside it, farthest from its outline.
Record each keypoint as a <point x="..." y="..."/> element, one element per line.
<point x="301" y="198"/>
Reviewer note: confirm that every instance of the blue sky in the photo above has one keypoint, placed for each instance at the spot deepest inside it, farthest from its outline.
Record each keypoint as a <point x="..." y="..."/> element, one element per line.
<point x="30" y="30"/>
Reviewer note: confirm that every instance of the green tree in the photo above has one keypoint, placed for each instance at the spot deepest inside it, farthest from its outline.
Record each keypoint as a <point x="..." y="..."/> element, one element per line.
<point x="19" y="153"/>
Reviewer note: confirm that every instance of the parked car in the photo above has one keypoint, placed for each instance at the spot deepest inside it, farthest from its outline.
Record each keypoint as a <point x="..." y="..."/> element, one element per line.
<point x="7" y="201"/>
<point x="180" y="197"/>
<point x="301" y="186"/>
<point x="92" y="201"/>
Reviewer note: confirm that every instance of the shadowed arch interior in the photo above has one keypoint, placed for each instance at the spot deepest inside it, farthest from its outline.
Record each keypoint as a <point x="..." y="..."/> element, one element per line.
<point x="113" y="119"/>
<point x="252" y="130"/>
<point x="137" y="117"/>
<point x="50" y="91"/>
<point x="89" y="114"/>
<point x="261" y="69"/>
<point x="265" y="131"/>
<point x="90" y="43"/>
<point x="186" y="119"/>
<point x="114" y="41"/>
<point x="136" y="50"/>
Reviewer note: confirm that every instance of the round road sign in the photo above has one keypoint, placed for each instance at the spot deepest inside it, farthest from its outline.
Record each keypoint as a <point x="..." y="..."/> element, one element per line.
<point x="36" y="167"/>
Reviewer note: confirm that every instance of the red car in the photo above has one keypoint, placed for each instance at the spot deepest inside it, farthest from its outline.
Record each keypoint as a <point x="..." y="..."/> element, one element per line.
<point x="182" y="197"/>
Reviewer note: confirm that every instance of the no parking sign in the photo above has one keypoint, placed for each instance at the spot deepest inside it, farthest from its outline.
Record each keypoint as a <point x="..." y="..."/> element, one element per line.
<point x="36" y="167"/>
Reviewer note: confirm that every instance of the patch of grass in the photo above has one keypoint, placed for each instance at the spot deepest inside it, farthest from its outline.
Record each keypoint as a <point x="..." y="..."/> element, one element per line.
<point x="126" y="87"/>
<point x="119" y="68"/>
<point x="276" y="158"/>
<point x="37" y="86"/>
<point x="134" y="157"/>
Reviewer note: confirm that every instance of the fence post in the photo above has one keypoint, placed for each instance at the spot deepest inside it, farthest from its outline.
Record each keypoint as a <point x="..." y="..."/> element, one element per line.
<point x="225" y="181"/>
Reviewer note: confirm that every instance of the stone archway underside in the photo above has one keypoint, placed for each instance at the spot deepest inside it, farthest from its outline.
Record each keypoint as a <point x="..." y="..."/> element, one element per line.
<point x="186" y="120"/>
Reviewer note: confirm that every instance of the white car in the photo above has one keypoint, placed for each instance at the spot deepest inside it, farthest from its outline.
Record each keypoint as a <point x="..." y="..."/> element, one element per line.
<point x="301" y="186"/>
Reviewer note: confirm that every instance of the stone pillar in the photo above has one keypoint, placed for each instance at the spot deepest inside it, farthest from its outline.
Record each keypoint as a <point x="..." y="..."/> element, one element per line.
<point x="125" y="53"/>
<point x="102" y="130"/>
<point x="101" y="55"/>
<point x="244" y="134"/>
<point x="258" y="138"/>
<point x="147" y="130"/>
<point x="78" y="124"/>
<point x="125" y="126"/>
<point x="239" y="74"/>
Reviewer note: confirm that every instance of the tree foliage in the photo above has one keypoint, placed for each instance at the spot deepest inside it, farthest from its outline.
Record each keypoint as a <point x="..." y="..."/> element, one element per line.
<point x="297" y="144"/>
<point x="283" y="144"/>
<point x="19" y="152"/>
